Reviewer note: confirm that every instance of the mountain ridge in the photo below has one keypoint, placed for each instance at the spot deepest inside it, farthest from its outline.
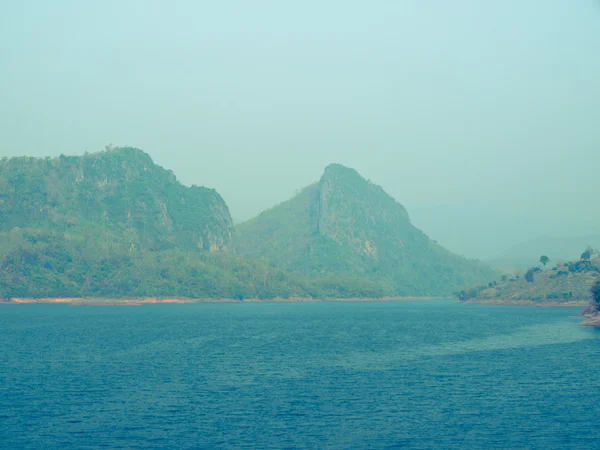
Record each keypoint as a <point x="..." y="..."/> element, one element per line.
<point x="344" y="224"/>
<point x="114" y="224"/>
<point x="120" y="190"/>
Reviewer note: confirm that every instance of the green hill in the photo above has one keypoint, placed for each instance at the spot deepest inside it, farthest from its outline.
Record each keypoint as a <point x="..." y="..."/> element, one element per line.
<point x="114" y="224"/>
<point x="120" y="191"/>
<point x="564" y="283"/>
<point x="345" y="227"/>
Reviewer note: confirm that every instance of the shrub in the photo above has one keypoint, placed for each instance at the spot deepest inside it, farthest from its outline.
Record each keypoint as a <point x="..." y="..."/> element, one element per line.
<point x="529" y="275"/>
<point x="596" y="294"/>
<point x="583" y="266"/>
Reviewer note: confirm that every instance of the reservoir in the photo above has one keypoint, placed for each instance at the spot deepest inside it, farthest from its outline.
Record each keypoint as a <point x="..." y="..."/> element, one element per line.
<point x="408" y="374"/>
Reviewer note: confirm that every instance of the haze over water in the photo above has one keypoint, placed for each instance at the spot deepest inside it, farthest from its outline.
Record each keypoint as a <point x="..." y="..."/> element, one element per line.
<point x="308" y="375"/>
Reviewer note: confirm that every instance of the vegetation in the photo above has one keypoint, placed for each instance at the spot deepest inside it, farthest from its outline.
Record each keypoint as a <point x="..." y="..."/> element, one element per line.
<point x="530" y="274"/>
<point x="587" y="254"/>
<point x="114" y="224"/>
<point x="119" y="191"/>
<point x="596" y="295"/>
<point x="563" y="249"/>
<point x="50" y="264"/>
<point x="564" y="282"/>
<point x="345" y="226"/>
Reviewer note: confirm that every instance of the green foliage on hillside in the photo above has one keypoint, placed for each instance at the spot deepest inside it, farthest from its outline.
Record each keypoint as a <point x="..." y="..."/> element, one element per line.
<point x="530" y="274"/>
<point x="119" y="191"/>
<point x="114" y="224"/>
<point x="38" y="263"/>
<point x="595" y="291"/>
<point x="346" y="226"/>
<point x="568" y="281"/>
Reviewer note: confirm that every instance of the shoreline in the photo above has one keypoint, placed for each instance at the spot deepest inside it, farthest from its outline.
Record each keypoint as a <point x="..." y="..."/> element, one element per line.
<point x="591" y="320"/>
<point x="132" y="301"/>
<point x="545" y="304"/>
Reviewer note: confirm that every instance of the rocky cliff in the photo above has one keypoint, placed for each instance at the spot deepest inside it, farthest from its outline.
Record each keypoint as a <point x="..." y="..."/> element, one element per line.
<point x="344" y="225"/>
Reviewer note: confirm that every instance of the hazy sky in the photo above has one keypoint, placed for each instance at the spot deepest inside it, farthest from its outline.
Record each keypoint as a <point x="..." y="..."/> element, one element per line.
<point x="481" y="117"/>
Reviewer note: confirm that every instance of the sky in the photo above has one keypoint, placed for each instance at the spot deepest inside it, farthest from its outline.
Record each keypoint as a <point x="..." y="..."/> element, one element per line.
<point x="481" y="118"/>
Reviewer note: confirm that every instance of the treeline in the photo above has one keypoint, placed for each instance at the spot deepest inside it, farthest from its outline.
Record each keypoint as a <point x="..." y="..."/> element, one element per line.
<point x="474" y="291"/>
<point x="586" y="265"/>
<point x="38" y="263"/>
<point x="583" y="265"/>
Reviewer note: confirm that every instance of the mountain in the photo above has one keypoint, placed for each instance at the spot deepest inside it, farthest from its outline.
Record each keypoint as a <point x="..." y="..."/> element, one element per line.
<point x="117" y="191"/>
<point x="525" y="254"/>
<point x="344" y="226"/>
<point x="114" y="224"/>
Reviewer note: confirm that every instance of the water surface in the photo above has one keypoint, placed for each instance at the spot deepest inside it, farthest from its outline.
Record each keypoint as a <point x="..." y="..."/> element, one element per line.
<point x="306" y="375"/>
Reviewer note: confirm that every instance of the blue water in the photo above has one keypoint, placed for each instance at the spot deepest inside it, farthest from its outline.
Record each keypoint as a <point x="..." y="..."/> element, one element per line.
<point x="308" y="375"/>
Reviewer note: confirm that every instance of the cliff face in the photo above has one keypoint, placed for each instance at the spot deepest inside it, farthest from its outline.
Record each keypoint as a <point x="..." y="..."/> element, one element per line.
<point x="354" y="212"/>
<point x="346" y="225"/>
<point x="119" y="192"/>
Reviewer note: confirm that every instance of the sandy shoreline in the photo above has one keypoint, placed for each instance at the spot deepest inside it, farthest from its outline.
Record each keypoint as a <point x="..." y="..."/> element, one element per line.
<point x="76" y="301"/>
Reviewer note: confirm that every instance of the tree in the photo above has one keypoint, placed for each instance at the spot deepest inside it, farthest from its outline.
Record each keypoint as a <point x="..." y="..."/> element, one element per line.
<point x="596" y="294"/>
<point x="504" y="278"/>
<point x="544" y="259"/>
<point x="587" y="254"/>
<point x="529" y="275"/>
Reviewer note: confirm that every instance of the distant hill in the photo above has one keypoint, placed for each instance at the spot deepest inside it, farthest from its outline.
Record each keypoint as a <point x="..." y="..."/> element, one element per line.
<point x="523" y="255"/>
<point x="563" y="283"/>
<point x="114" y="224"/>
<point x="345" y="227"/>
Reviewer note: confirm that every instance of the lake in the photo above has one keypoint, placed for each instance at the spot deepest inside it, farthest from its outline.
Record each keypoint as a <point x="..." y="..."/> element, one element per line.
<point x="408" y="374"/>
